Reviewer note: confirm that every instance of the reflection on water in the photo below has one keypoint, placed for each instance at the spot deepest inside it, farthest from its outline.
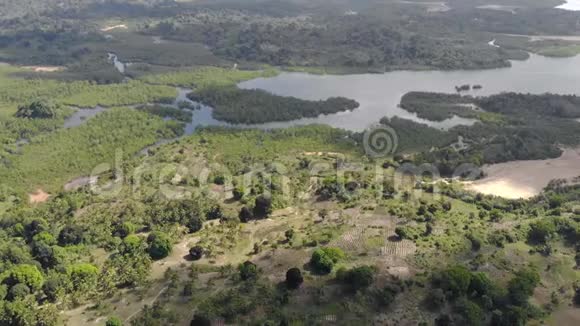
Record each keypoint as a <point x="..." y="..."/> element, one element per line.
<point x="200" y="117"/>
<point x="81" y="116"/>
<point x="380" y="94"/>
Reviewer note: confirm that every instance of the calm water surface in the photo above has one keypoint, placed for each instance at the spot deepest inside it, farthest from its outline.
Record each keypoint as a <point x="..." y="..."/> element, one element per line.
<point x="380" y="94"/>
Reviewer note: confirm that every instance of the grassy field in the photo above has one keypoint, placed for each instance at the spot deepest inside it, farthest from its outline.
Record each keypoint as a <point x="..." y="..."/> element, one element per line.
<point x="547" y="47"/>
<point x="204" y="77"/>
<point x="69" y="153"/>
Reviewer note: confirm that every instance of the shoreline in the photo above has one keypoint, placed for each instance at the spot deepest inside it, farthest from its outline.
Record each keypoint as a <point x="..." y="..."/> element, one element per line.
<point x="526" y="179"/>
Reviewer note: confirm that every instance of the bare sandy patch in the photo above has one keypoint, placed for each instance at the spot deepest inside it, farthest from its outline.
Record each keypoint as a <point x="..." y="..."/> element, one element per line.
<point x="526" y="179"/>
<point x="39" y="196"/>
<point x="44" y="68"/>
<point x="110" y="28"/>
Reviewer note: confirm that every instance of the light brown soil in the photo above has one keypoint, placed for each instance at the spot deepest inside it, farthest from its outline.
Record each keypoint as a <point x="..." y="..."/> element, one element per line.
<point x="44" y="68"/>
<point x="526" y="179"/>
<point x="39" y="196"/>
<point x="565" y="316"/>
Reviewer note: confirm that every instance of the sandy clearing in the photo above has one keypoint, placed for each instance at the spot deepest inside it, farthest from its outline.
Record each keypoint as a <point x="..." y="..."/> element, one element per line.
<point x="44" y="68"/>
<point x="110" y="28"/>
<point x="526" y="179"/>
<point x="39" y="196"/>
<point x="565" y="316"/>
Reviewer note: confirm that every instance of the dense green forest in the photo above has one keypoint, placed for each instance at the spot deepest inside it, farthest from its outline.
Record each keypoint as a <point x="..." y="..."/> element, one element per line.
<point x="256" y="106"/>
<point x="438" y="106"/>
<point x="477" y="278"/>
<point x="121" y="219"/>
<point x="512" y="127"/>
<point x="378" y="36"/>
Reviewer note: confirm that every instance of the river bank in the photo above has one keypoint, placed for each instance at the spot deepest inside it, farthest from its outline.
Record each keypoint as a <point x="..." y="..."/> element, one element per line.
<point x="526" y="179"/>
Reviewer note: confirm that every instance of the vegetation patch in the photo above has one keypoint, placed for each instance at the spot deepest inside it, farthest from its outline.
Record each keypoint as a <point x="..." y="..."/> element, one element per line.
<point x="258" y="106"/>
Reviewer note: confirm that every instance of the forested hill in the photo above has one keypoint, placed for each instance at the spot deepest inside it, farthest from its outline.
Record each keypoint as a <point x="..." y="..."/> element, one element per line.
<point x="367" y="35"/>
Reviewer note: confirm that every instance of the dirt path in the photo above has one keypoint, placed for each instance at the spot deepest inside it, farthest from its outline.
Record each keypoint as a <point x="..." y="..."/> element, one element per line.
<point x="526" y="179"/>
<point x="150" y="303"/>
<point x="131" y="304"/>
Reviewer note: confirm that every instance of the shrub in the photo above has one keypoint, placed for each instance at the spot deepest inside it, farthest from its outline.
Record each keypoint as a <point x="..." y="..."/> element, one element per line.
<point x="159" y="245"/>
<point x="215" y="213"/>
<point x="359" y="278"/>
<point x="131" y="243"/>
<point x="246" y="215"/>
<point x="541" y="231"/>
<point x="511" y="315"/>
<point x="28" y="275"/>
<point x="45" y="238"/>
<point x="475" y="242"/>
<point x="70" y="235"/>
<point x="238" y="193"/>
<point x="114" y="321"/>
<point x="446" y="206"/>
<point x="386" y="296"/>
<point x="37" y="110"/>
<point x="522" y="286"/>
<point x="199" y="320"/>
<point x="294" y="278"/>
<point x="455" y="279"/>
<point x="480" y="284"/>
<point x="18" y="291"/>
<point x="35" y="227"/>
<point x="323" y="259"/>
<point x="289" y="234"/>
<point x="83" y="277"/>
<point x="263" y="206"/>
<point x="196" y="252"/>
<point x="194" y="224"/>
<point x="248" y="271"/>
<point x="124" y="229"/>
<point x="435" y="299"/>
<point x="54" y="287"/>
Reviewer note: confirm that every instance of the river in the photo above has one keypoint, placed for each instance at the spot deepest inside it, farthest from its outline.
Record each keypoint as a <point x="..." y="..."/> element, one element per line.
<point x="380" y="94"/>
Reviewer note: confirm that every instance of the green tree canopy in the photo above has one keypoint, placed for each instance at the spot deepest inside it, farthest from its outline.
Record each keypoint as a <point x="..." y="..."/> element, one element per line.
<point x="83" y="277"/>
<point x="37" y="110"/>
<point x="160" y="245"/>
<point x="323" y="259"/>
<point x="28" y="275"/>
